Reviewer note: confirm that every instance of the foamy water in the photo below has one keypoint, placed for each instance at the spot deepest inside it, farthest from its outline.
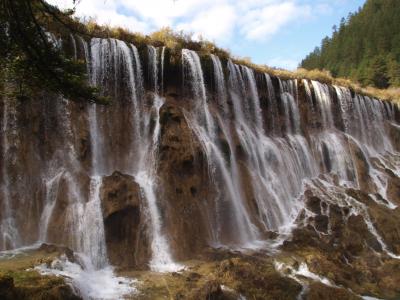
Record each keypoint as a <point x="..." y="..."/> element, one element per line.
<point x="89" y="283"/>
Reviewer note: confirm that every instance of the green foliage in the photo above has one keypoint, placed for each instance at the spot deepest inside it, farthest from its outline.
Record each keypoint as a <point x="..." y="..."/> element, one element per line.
<point x="32" y="60"/>
<point x="365" y="48"/>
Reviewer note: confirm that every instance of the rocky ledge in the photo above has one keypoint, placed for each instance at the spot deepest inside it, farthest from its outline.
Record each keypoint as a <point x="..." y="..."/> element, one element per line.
<point x="19" y="280"/>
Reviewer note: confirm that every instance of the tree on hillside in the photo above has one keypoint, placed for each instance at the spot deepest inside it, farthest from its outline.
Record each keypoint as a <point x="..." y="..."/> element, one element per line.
<point x="365" y="48"/>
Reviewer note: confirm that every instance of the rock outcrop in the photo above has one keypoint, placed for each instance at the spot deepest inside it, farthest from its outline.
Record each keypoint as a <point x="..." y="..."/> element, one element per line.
<point x="124" y="221"/>
<point x="18" y="279"/>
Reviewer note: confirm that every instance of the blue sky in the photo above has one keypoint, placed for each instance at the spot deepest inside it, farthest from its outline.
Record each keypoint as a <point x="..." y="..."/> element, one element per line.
<point x="274" y="32"/>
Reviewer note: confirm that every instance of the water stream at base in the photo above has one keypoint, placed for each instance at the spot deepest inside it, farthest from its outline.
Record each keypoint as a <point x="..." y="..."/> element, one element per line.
<point x="91" y="284"/>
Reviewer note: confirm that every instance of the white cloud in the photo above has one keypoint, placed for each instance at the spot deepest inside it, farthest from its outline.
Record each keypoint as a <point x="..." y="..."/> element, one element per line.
<point x="217" y="23"/>
<point x="263" y="21"/>
<point x="213" y="19"/>
<point x="105" y="12"/>
<point x="230" y="23"/>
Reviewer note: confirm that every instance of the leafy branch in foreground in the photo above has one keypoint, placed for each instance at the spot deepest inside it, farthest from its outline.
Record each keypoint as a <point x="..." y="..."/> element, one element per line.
<point x="33" y="58"/>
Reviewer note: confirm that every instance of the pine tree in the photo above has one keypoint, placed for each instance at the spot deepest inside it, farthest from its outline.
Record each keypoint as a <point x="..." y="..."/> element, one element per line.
<point x="378" y="72"/>
<point x="365" y="48"/>
<point x="393" y="70"/>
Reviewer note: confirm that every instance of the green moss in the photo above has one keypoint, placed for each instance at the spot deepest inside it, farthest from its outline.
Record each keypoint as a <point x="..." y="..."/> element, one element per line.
<point x="27" y="283"/>
<point x="31" y="285"/>
<point x="256" y="278"/>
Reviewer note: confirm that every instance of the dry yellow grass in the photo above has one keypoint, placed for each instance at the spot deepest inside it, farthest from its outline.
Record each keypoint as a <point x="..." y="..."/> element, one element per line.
<point x="390" y="94"/>
<point x="179" y="40"/>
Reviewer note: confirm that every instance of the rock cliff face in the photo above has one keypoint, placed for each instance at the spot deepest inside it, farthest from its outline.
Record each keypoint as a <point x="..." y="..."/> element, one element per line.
<point x="205" y="153"/>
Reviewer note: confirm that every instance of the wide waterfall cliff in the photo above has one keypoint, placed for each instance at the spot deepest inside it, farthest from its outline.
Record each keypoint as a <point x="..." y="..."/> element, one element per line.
<point x="196" y="152"/>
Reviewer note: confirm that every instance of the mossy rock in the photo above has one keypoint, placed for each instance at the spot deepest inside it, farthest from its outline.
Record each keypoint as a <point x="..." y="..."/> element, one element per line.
<point x="317" y="291"/>
<point x="33" y="286"/>
<point x="257" y="279"/>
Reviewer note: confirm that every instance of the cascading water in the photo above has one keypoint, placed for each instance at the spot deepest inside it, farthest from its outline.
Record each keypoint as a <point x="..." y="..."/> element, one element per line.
<point x="162" y="69"/>
<point x="9" y="234"/>
<point x="201" y="121"/>
<point x="113" y="56"/>
<point x="161" y="260"/>
<point x="251" y="90"/>
<point x="222" y="95"/>
<point x="262" y="148"/>
<point x="270" y="160"/>
<point x="325" y="104"/>
<point x="84" y="218"/>
<point x="146" y="178"/>
<point x="74" y="47"/>
<point x="52" y="187"/>
<point x="93" y="237"/>
<point x="280" y="166"/>
<point x="272" y="106"/>
<point x="152" y="53"/>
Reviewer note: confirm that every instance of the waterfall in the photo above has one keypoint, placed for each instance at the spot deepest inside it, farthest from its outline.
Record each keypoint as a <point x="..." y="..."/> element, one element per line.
<point x="10" y="238"/>
<point x="204" y="126"/>
<point x="259" y="155"/>
<point x="124" y="61"/>
<point x="84" y="219"/>
<point x="84" y="224"/>
<point x="308" y="94"/>
<point x="51" y="186"/>
<point x="277" y="166"/>
<point x="146" y="176"/>
<point x="136" y="88"/>
<point x="162" y="69"/>
<point x="96" y="65"/>
<point x="153" y="67"/>
<point x="252" y="91"/>
<point x="272" y="106"/>
<point x="222" y="96"/>
<point x="192" y="65"/>
<point x="86" y="54"/>
<point x="74" y="47"/>
<point x="92" y="241"/>
<point x="161" y="260"/>
<point x="292" y="116"/>
<point x="324" y="100"/>
<point x="138" y="73"/>
<point x="93" y="236"/>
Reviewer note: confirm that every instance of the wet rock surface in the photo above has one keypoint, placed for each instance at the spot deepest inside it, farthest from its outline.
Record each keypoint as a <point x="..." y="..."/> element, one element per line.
<point x="226" y="279"/>
<point x="185" y="184"/>
<point x="348" y="254"/>
<point x="124" y="221"/>
<point x="18" y="279"/>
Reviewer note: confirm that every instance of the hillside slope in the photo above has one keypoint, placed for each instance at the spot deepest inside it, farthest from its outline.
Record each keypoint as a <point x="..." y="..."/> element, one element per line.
<point x="365" y="47"/>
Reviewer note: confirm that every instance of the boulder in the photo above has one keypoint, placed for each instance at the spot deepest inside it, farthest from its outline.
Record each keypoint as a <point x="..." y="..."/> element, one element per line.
<point x="124" y="221"/>
<point x="119" y="192"/>
<point x="317" y="291"/>
<point x="211" y="290"/>
<point x="7" y="288"/>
